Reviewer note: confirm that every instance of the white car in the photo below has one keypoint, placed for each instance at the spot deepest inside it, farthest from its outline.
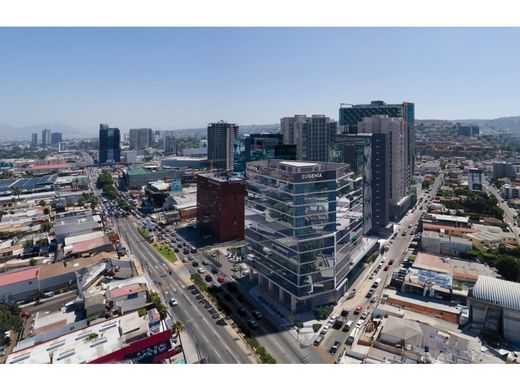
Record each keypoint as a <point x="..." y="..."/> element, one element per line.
<point x="325" y="329"/>
<point x="360" y="323"/>
<point x="173" y="302"/>
<point x="364" y="315"/>
<point x="201" y="270"/>
<point x="332" y="319"/>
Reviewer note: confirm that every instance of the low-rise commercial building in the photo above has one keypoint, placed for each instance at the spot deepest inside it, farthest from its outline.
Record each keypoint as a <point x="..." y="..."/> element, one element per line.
<point x="495" y="308"/>
<point x="137" y="176"/>
<point x="443" y="244"/>
<point x="19" y="284"/>
<point x="490" y="237"/>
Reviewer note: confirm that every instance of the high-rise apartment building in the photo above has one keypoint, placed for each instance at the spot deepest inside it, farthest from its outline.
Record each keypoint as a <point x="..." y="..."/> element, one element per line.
<point x="140" y="139"/>
<point x="34" y="140"/>
<point x="304" y="225"/>
<point x="109" y="144"/>
<point x="313" y="136"/>
<point x="350" y="115"/>
<point x="169" y="145"/>
<point x="389" y="163"/>
<point x="46" y="137"/>
<point x="56" y="138"/>
<point x="221" y="137"/>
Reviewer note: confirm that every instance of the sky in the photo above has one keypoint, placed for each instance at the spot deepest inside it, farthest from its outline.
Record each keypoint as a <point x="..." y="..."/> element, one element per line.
<point x="174" y="78"/>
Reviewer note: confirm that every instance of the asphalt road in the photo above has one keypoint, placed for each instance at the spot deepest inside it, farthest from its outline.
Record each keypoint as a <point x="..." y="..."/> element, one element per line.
<point x="397" y="251"/>
<point x="509" y="214"/>
<point x="215" y="342"/>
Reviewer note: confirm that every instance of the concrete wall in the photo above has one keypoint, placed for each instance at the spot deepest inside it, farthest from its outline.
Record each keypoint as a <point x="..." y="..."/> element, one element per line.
<point x="19" y="291"/>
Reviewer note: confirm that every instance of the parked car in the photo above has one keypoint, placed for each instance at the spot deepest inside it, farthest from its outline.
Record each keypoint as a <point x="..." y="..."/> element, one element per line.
<point x="214" y="270"/>
<point x="364" y="315"/>
<point x="257" y="315"/>
<point x="252" y="324"/>
<point x="195" y="264"/>
<point x="334" y="347"/>
<point x="201" y="270"/>
<point x="221" y="278"/>
<point x="208" y="278"/>
<point x="325" y="329"/>
<point x="205" y="262"/>
<point x="358" y="309"/>
<point x="360" y="323"/>
<point x="386" y="267"/>
<point x="318" y="340"/>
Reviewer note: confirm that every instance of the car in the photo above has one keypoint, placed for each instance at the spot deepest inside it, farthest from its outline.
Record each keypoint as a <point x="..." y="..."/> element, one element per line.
<point x="176" y="250"/>
<point x="403" y="234"/>
<point x="360" y="323"/>
<point x="373" y="299"/>
<point x="370" y="293"/>
<point x="325" y="329"/>
<point x="344" y="313"/>
<point x="347" y="326"/>
<point x="24" y="314"/>
<point x="241" y="311"/>
<point x="195" y="264"/>
<point x="208" y="278"/>
<point x="334" y="347"/>
<point x="338" y="324"/>
<point x="214" y="270"/>
<point x="332" y="319"/>
<point x="371" y="276"/>
<point x="205" y="262"/>
<point x="193" y="249"/>
<point x="173" y="302"/>
<point x="220" y="278"/>
<point x="391" y="262"/>
<point x="386" y="267"/>
<point x="358" y="309"/>
<point x="201" y="270"/>
<point x="257" y="315"/>
<point x="252" y="324"/>
<point x="185" y="251"/>
<point x="364" y="315"/>
<point x="318" y="340"/>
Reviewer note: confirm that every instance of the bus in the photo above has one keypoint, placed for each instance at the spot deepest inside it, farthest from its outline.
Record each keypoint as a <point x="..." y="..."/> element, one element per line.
<point x="376" y="283"/>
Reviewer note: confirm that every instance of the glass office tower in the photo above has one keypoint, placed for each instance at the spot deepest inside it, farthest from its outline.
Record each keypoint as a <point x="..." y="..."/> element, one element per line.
<point x="304" y="221"/>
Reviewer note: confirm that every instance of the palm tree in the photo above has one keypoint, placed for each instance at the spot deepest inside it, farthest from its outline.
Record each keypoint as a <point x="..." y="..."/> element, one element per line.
<point x="15" y="191"/>
<point x="178" y="327"/>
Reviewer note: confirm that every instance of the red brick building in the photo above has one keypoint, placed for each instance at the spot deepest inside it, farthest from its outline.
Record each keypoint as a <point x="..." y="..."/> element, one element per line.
<point x="220" y="206"/>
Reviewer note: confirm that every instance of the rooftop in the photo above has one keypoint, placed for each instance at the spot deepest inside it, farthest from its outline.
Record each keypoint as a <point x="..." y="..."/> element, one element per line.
<point x="496" y="291"/>
<point x="431" y="262"/>
<point x="19" y="275"/>
<point x="127" y="290"/>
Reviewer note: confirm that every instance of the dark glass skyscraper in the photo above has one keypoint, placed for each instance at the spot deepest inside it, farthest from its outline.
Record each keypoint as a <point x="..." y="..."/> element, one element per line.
<point x="351" y="114"/>
<point x="256" y="147"/>
<point x="109" y="144"/>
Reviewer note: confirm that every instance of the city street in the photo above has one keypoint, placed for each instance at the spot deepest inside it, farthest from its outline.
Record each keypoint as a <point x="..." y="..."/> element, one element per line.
<point x="216" y="343"/>
<point x="510" y="215"/>
<point x="398" y="248"/>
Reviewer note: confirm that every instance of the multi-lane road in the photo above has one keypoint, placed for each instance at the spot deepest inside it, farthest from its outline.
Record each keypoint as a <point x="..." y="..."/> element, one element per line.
<point x="398" y="247"/>
<point x="216" y="343"/>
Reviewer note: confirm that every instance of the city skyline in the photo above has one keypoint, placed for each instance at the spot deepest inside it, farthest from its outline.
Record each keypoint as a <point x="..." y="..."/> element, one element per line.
<point x="175" y="78"/>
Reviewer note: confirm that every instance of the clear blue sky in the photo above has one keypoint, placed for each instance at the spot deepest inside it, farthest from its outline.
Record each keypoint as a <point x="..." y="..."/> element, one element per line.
<point x="187" y="77"/>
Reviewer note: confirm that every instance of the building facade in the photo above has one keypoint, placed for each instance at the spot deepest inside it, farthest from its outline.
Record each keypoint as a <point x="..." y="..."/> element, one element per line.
<point x="313" y="136"/>
<point x="220" y="206"/>
<point x="56" y="138"/>
<point x="389" y="166"/>
<point x="34" y="140"/>
<point x="350" y="115"/>
<point x="46" y="137"/>
<point x="303" y="222"/>
<point x="140" y="139"/>
<point x="502" y="169"/>
<point x="221" y="137"/>
<point x="109" y="144"/>
<point x="475" y="180"/>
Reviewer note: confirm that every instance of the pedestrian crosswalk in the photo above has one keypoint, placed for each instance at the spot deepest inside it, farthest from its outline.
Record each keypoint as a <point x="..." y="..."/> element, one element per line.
<point x="325" y="355"/>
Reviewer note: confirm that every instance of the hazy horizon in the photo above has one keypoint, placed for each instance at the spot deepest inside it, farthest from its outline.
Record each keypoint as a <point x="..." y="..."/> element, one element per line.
<point x="181" y="78"/>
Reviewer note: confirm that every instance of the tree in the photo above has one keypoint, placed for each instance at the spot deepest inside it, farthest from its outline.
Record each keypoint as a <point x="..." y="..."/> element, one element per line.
<point x="178" y="328"/>
<point x="15" y="191"/>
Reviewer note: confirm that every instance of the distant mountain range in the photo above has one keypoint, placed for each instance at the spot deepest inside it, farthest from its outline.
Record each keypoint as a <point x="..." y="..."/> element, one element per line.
<point x="509" y="123"/>
<point x="12" y="133"/>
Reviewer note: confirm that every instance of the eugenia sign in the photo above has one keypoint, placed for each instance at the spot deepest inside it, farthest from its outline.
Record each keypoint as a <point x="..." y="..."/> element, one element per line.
<point x="310" y="176"/>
